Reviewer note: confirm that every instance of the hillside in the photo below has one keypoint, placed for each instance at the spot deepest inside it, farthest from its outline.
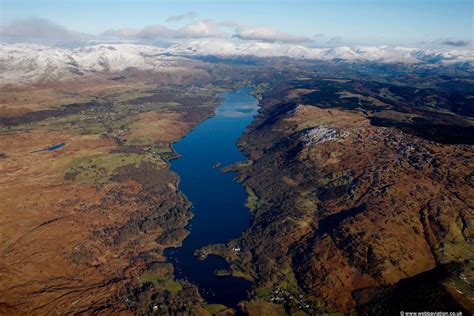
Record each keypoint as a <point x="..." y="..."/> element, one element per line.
<point x="30" y="63"/>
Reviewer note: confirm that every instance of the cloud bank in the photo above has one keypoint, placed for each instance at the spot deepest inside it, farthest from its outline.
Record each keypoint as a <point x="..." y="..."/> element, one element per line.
<point x="197" y="29"/>
<point x="267" y="34"/>
<point x="208" y="29"/>
<point x="43" y="31"/>
<point x="40" y="31"/>
<point x="456" y="43"/>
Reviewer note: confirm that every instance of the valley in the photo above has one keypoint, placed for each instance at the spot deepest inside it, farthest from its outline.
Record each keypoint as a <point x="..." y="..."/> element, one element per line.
<point x="358" y="185"/>
<point x="346" y="211"/>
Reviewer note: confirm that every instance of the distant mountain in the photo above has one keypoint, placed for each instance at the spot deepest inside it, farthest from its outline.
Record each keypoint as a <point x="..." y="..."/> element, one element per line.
<point x="384" y="54"/>
<point x="28" y="63"/>
<point x="32" y="63"/>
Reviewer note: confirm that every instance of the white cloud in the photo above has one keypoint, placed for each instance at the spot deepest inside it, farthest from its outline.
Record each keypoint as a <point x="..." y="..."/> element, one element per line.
<point x="37" y="30"/>
<point x="147" y="32"/>
<point x="197" y="29"/>
<point x="211" y="29"/>
<point x="156" y="31"/>
<point x="205" y="28"/>
<point x="186" y="16"/>
<point x="267" y="34"/>
<point x="122" y="33"/>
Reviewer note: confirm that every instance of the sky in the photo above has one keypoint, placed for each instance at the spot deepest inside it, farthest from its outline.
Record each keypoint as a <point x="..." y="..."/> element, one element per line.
<point x="309" y="22"/>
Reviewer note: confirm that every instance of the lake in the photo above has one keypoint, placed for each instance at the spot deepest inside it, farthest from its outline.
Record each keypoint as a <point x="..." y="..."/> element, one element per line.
<point x="218" y="201"/>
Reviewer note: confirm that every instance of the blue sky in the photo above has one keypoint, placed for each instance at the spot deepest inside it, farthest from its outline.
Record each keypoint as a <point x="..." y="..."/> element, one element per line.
<point x="366" y="22"/>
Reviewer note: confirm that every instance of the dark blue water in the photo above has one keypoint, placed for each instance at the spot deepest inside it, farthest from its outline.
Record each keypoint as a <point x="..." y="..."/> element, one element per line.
<point x="49" y="148"/>
<point x="218" y="201"/>
<point x="55" y="147"/>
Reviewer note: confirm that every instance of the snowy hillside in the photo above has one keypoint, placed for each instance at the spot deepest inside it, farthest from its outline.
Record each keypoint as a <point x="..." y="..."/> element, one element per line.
<point x="384" y="54"/>
<point x="25" y="63"/>
<point x="31" y="63"/>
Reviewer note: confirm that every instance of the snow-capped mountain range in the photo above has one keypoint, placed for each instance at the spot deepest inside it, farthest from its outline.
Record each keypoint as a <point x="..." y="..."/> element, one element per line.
<point x="29" y="63"/>
<point x="382" y="54"/>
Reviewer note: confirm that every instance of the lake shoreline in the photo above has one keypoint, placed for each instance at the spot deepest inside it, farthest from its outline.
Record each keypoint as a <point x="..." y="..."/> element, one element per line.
<point x="218" y="134"/>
